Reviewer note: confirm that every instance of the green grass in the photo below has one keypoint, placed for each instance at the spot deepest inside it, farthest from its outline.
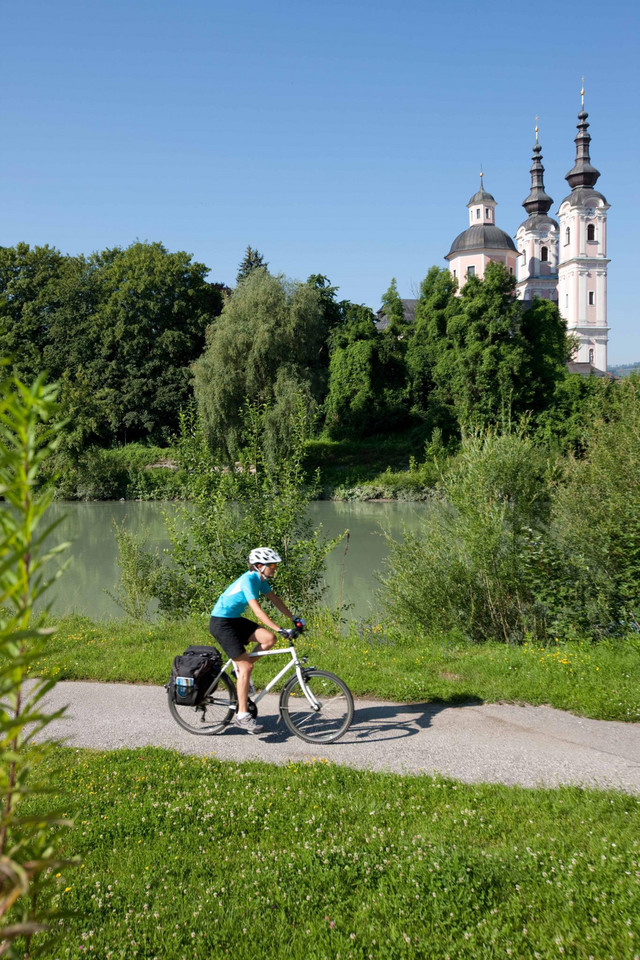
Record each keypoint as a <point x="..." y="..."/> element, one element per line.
<point x="184" y="857"/>
<point x="359" y="469"/>
<point x="594" y="680"/>
<point x="372" y="468"/>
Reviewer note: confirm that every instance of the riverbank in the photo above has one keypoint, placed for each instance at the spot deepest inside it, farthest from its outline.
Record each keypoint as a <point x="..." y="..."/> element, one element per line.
<point x="382" y="468"/>
<point x="376" y="660"/>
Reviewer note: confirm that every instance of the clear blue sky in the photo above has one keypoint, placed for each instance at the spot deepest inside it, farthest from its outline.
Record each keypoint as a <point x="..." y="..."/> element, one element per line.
<point x="342" y="138"/>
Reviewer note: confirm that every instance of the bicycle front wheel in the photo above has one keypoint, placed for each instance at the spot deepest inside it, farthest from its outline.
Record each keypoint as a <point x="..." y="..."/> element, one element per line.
<point x="211" y="716"/>
<point x="333" y="717"/>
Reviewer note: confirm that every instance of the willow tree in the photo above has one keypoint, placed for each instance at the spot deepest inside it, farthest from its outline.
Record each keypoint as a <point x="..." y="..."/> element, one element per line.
<point x="265" y="348"/>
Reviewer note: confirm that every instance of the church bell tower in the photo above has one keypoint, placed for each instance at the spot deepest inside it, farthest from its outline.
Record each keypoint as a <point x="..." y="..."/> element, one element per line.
<point x="537" y="239"/>
<point x="582" y="266"/>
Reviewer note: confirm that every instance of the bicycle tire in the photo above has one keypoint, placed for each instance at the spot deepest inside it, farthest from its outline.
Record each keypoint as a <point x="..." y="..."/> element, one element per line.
<point x="336" y="707"/>
<point x="213" y="715"/>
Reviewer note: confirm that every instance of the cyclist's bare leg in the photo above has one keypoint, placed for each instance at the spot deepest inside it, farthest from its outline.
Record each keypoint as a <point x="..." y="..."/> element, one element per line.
<point x="264" y="640"/>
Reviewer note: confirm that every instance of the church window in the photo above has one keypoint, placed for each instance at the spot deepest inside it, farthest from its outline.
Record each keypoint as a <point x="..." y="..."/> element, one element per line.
<point x="591" y="356"/>
<point x="455" y="274"/>
<point x="591" y="232"/>
<point x="567" y="235"/>
<point x="478" y="213"/>
<point x="592" y="298"/>
<point x="487" y="213"/>
<point x="511" y="270"/>
<point x="544" y="254"/>
<point x="471" y="271"/>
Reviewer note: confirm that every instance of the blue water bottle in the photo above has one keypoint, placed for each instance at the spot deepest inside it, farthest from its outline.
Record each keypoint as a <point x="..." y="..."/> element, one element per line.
<point x="184" y="689"/>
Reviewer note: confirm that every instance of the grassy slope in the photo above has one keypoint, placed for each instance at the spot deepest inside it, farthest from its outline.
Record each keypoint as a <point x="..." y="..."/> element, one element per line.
<point x="595" y="680"/>
<point x="372" y="467"/>
<point x="191" y="858"/>
<point x="367" y="468"/>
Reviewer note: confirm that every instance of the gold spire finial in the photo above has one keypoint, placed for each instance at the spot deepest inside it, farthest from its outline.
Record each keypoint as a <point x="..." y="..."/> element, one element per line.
<point x="536" y="129"/>
<point x="582" y="93"/>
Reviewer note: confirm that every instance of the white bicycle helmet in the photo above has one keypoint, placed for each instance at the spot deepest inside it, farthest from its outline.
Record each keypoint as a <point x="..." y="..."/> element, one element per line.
<point x="264" y="555"/>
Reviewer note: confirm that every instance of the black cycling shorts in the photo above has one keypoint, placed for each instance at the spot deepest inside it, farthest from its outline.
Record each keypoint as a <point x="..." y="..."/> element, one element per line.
<point x="232" y="633"/>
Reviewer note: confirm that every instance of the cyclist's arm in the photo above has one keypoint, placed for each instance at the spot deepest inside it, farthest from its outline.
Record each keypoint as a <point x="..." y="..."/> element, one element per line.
<point x="279" y="605"/>
<point x="262" y="616"/>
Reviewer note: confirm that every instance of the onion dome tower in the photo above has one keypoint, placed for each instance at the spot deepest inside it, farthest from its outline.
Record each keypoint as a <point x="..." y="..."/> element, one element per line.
<point x="582" y="266"/>
<point x="481" y="242"/>
<point x="537" y="239"/>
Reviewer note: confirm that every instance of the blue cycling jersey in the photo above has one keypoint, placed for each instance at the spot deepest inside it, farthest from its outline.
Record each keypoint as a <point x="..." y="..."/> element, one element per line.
<point x="235" y="598"/>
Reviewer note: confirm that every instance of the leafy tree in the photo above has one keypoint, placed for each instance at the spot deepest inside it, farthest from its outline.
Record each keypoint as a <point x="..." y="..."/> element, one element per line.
<point x="427" y="342"/>
<point x="485" y="356"/>
<point x="148" y="328"/>
<point x="354" y="374"/>
<point x="264" y="347"/>
<point x="334" y="310"/>
<point x="119" y="329"/>
<point x="576" y="404"/>
<point x="29" y="294"/>
<point x="367" y="377"/>
<point x="394" y="309"/>
<point x="30" y="843"/>
<point x="335" y="313"/>
<point x="548" y="350"/>
<point x="252" y="260"/>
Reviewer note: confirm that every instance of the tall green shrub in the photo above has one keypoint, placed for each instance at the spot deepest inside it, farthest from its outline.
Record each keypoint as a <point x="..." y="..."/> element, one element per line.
<point x="464" y="568"/>
<point x="257" y="502"/>
<point x="29" y="844"/>
<point x="597" y="508"/>
<point x="140" y="573"/>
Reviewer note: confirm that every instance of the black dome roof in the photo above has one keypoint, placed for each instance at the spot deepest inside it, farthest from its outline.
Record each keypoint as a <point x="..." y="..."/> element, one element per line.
<point x="482" y="237"/>
<point x="481" y="197"/>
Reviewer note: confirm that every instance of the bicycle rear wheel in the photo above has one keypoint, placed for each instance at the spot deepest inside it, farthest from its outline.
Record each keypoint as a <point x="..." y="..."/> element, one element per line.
<point x="335" y="713"/>
<point x="211" y="716"/>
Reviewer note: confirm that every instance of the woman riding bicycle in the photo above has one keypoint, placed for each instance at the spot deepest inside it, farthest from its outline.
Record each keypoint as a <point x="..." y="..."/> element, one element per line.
<point x="234" y="632"/>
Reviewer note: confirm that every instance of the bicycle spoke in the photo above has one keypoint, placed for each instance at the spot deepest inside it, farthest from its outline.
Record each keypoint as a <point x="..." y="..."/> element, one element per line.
<point x="333" y="718"/>
<point x="213" y="715"/>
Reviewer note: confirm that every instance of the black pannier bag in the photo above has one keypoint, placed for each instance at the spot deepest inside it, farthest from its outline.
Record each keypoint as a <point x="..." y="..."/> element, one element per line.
<point x="192" y="674"/>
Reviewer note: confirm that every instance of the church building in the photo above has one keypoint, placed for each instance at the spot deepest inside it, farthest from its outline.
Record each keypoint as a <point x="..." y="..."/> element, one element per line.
<point x="562" y="260"/>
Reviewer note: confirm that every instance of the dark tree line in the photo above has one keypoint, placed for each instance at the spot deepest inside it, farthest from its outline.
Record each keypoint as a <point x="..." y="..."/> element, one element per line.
<point x="120" y="330"/>
<point x="466" y="361"/>
<point x="133" y="333"/>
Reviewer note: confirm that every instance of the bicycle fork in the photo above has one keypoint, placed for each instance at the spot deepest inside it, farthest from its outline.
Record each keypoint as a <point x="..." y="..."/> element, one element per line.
<point x="306" y="689"/>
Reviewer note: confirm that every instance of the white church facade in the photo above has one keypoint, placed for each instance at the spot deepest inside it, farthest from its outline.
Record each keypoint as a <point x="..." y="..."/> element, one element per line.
<point x="564" y="261"/>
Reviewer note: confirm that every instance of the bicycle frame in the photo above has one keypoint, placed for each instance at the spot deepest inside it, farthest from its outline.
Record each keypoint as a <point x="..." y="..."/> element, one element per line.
<point x="295" y="662"/>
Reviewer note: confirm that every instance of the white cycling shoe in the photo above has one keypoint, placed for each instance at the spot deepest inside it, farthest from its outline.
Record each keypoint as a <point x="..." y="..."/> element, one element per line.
<point x="249" y="724"/>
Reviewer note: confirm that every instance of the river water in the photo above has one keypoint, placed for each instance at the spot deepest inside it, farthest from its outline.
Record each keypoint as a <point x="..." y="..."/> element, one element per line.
<point x="350" y="576"/>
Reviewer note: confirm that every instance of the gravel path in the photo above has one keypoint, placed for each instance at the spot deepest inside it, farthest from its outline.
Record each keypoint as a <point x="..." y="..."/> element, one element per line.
<point x="476" y="743"/>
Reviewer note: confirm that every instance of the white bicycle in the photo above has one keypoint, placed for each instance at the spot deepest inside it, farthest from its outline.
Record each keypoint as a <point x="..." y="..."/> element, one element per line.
<point x="315" y="705"/>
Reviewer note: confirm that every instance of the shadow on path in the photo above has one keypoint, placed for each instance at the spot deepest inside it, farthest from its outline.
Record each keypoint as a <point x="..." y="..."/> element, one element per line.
<point x="377" y="722"/>
<point x="397" y="721"/>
